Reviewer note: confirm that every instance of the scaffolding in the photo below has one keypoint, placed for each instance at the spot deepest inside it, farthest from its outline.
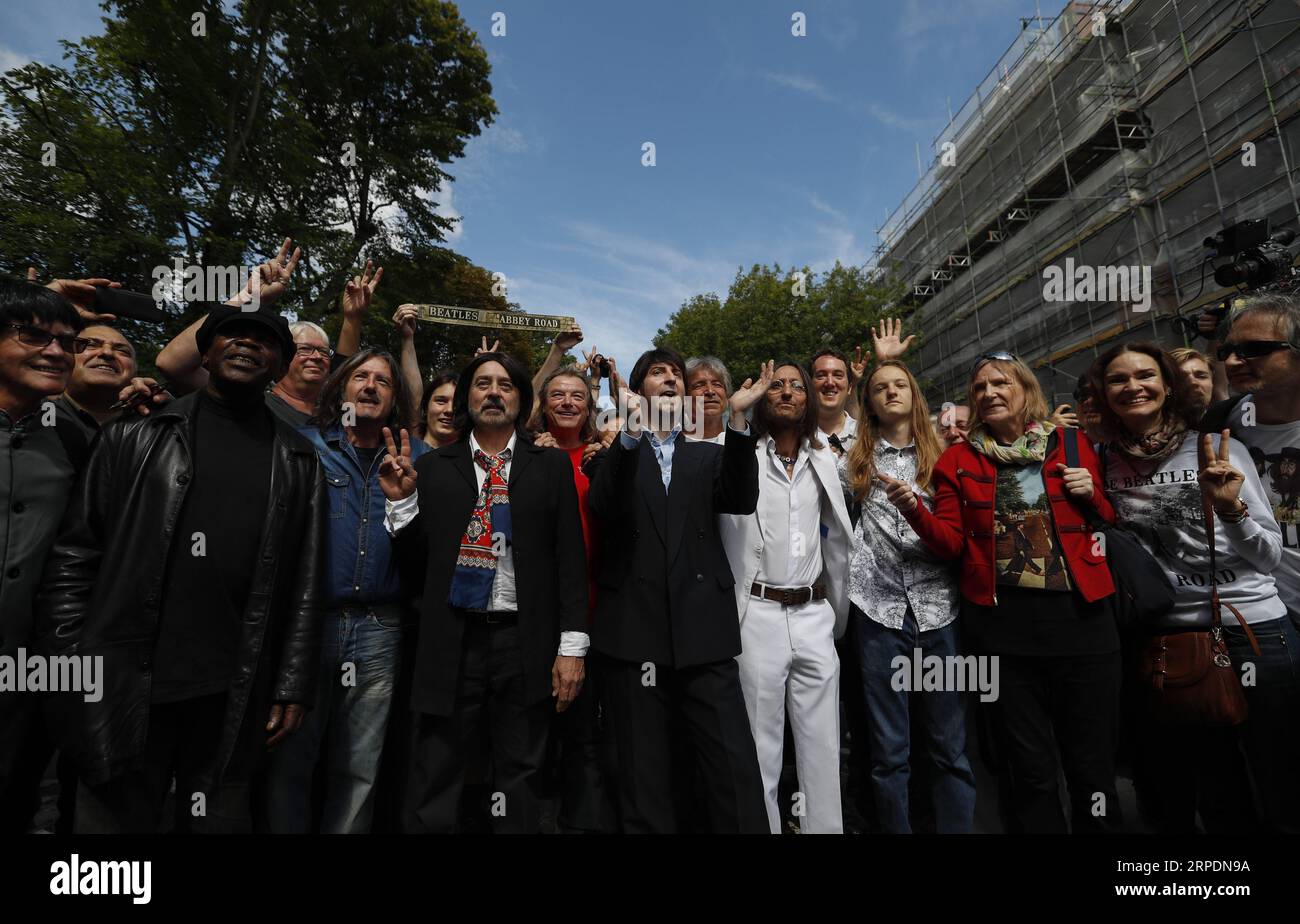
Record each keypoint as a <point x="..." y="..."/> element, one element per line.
<point x="1114" y="134"/>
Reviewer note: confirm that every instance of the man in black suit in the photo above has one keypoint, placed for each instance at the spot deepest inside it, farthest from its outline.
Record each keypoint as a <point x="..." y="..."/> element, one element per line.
<point x="666" y="612"/>
<point x="488" y="528"/>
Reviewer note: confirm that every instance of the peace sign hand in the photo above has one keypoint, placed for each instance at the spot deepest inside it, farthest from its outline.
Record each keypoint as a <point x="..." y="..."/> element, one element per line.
<point x="271" y="278"/>
<point x="396" y="473"/>
<point x="898" y="493"/>
<point x="357" y="293"/>
<point x="1219" y="480"/>
<point x="484" y="348"/>
<point x="859" y="363"/>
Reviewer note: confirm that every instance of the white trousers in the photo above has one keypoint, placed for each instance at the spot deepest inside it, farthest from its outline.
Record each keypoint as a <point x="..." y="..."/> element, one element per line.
<point x="788" y="665"/>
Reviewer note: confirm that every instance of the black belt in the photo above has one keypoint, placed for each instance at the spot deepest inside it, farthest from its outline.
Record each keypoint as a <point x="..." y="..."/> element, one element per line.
<point x="493" y="617"/>
<point x="790" y="596"/>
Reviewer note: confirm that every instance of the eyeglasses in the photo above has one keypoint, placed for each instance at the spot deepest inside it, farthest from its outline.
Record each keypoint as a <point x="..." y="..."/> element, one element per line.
<point x="1251" y="349"/>
<point x="999" y="355"/>
<point x="779" y="385"/>
<point x="30" y="335"/>
<point x="306" y="349"/>
<point x="94" y="343"/>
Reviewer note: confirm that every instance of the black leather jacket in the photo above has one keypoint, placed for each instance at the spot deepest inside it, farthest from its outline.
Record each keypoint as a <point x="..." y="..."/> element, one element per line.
<point x="103" y="585"/>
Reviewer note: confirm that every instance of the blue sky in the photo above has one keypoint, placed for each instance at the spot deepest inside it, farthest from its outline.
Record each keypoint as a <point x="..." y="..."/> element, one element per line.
<point x="769" y="147"/>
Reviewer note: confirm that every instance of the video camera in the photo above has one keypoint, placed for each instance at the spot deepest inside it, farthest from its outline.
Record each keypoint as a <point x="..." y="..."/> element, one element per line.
<point x="1250" y="255"/>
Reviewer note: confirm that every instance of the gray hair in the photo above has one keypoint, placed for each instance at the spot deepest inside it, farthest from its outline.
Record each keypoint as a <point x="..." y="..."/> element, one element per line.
<point x="1284" y="309"/>
<point x="711" y="363"/>
<point x="298" y="327"/>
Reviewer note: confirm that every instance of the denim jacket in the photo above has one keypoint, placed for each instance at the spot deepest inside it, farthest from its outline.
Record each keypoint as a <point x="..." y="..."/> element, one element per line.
<point x="358" y="549"/>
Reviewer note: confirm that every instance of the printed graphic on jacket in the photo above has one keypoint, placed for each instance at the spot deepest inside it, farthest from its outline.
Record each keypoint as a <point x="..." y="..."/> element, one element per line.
<point x="1026" y="550"/>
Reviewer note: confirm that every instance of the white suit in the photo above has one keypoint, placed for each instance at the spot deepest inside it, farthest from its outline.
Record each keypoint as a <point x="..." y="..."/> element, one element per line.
<point x="788" y="662"/>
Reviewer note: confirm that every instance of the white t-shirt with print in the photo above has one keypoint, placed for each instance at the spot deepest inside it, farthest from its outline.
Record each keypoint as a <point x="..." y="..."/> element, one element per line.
<point x="1275" y="456"/>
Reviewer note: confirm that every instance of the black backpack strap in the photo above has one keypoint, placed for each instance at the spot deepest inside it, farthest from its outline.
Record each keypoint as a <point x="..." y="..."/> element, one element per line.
<point x="1070" y="438"/>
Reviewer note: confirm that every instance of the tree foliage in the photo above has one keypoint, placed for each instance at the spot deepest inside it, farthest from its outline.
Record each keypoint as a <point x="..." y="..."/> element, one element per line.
<point x="210" y="131"/>
<point x="764" y="316"/>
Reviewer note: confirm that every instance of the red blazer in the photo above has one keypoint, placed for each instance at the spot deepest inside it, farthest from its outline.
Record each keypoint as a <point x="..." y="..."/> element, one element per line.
<point x="961" y="525"/>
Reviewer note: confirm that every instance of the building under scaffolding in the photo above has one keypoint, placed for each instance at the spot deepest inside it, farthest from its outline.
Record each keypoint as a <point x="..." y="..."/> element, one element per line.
<point x="1125" y="148"/>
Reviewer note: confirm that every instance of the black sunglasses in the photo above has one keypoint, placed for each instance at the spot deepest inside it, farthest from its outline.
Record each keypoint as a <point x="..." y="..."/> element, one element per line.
<point x="1251" y="349"/>
<point x="31" y="335"/>
<point x="999" y="355"/>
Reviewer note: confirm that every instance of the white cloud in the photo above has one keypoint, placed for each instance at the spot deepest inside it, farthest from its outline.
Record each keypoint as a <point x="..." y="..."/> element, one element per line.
<point x="803" y="84"/>
<point x="447" y="209"/>
<point x="11" y="59"/>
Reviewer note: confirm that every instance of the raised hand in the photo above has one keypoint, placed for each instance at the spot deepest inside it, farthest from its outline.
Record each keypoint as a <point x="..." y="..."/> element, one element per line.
<point x="750" y="392"/>
<point x="358" y="291"/>
<point x="1078" y="481"/>
<point x="898" y="493"/>
<point x="858" y="364"/>
<point x="404" y="319"/>
<point x="81" y="292"/>
<point x="568" y="339"/>
<point x="272" y="277"/>
<point x="484" y="348"/>
<point x="887" y="340"/>
<point x="397" y="476"/>
<point x="1220" y="481"/>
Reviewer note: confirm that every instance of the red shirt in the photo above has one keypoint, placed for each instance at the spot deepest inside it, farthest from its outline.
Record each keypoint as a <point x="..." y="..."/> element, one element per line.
<point x="581" y="482"/>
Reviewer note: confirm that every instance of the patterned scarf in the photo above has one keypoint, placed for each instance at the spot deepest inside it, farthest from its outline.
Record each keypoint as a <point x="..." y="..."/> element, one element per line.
<point x="476" y="565"/>
<point x="1030" y="449"/>
<point x="1156" y="446"/>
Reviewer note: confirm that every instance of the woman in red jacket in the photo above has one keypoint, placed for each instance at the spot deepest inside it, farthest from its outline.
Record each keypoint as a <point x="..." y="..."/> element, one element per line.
<point x="1034" y="588"/>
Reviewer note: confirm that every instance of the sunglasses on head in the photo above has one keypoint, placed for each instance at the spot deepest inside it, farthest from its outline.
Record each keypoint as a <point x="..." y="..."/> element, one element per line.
<point x="999" y="355"/>
<point x="1251" y="349"/>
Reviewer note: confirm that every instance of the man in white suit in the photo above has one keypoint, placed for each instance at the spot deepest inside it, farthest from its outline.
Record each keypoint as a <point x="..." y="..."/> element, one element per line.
<point x="791" y="562"/>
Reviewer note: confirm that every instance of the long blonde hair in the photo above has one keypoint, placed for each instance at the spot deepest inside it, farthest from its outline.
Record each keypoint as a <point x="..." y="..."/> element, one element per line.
<point x="862" y="454"/>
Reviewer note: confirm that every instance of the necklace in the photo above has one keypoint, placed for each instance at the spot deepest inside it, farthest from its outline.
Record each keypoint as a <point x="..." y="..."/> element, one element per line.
<point x="789" y="462"/>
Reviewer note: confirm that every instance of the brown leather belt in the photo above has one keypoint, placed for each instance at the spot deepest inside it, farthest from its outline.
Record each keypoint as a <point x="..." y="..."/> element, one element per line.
<point x="789" y="596"/>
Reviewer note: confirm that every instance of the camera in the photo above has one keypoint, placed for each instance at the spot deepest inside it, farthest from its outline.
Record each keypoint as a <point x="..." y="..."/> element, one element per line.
<point x="1256" y="257"/>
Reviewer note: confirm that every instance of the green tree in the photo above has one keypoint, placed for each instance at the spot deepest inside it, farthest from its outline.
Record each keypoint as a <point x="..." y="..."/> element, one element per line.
<point x="331" y="122"/>
<point x="764" y="316"/>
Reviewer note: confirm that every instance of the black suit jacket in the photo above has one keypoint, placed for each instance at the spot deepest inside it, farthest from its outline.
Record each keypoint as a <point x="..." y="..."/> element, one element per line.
<point x="664" y="587"/>
<point x="549" y="559"/>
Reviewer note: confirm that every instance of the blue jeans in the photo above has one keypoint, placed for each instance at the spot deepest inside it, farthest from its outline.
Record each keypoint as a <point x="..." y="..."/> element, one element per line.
<point x="359" y="660"/>
<point x="944" y="715"/>
<point x="1272" y="731"/>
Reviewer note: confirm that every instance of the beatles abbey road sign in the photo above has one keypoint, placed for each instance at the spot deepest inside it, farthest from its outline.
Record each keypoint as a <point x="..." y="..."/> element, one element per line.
<point x="494" y="319"/>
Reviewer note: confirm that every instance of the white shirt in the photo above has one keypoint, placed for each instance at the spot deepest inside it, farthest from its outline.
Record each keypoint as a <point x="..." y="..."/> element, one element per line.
<point x="1160" y="503"/>
<point x="1275" y="456"/>
<point x="847" y="435"/>
<point x="720" y="439"/>
<point x="398" y="513"/>
<point x="792" y="546"/>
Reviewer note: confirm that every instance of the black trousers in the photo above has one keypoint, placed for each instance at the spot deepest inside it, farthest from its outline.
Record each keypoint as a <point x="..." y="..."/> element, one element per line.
<point x="645" y="707"/>
<point x="184" y="739"/>
<point x="26" y="752"/>
<point x="584" y="799"/>
<point x="490" y="689"/>
<point x="1068" y="704"/>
